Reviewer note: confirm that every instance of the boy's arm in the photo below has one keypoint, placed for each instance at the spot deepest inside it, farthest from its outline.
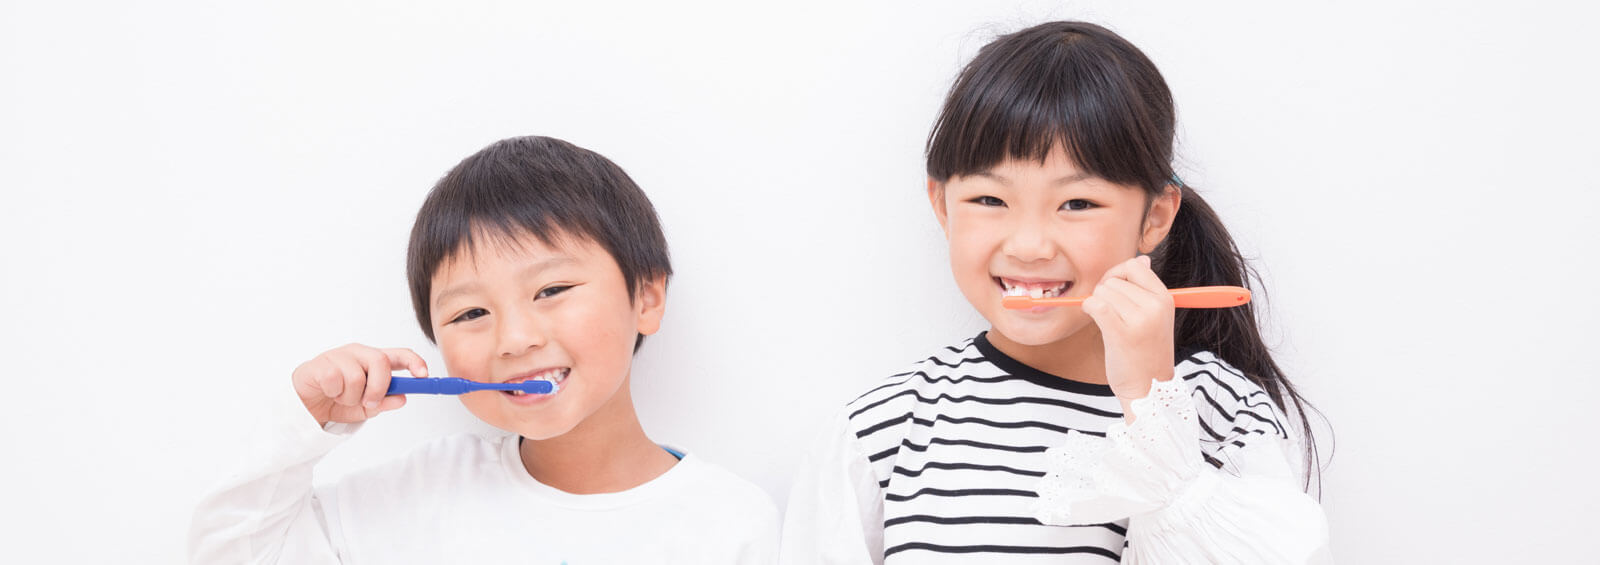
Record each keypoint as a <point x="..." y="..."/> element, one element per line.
<point x="835" y="514"/>
<point x="266" y="512"/>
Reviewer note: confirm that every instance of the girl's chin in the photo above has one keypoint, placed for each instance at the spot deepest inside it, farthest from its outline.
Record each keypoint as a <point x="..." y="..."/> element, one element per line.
<point x="1034" y="333"/>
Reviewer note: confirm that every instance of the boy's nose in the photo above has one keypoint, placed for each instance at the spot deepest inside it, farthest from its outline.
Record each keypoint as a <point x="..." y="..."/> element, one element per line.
<point x="518" y="333"/>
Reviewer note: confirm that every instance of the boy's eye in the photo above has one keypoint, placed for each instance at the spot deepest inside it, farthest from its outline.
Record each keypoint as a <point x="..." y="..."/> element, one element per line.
<point x="1078" y="204"/>
<point x="552" y="291"/>
<point x="470" y="315"/>
<point x="988" y="201"/>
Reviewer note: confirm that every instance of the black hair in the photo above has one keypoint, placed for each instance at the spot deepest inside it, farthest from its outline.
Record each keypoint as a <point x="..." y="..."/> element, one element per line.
<point x="538" y="186"/>
<point x="1083" y="88"/>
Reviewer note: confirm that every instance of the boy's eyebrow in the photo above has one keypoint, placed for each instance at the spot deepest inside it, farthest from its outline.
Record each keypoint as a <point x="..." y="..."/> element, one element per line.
<point x="529" y="270"/>
<point x="452" y="291"/>
<point x="547" y="263"/>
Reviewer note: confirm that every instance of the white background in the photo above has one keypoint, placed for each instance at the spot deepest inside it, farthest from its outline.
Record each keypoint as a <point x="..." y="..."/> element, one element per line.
<point x="199" y="196"/>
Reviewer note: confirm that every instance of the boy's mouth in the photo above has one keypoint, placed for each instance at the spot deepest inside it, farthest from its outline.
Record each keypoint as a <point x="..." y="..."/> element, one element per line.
<point x="1034" y="288"/>
<point x="555" y="375"/>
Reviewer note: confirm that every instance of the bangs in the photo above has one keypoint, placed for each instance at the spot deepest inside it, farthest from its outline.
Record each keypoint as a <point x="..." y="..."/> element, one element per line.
<point x="1071" y="85"/>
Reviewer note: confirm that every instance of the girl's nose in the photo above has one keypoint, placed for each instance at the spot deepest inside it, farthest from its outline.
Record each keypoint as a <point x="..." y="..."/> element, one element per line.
<point x="1028" y="242"/>
<point x="517" y="333"/>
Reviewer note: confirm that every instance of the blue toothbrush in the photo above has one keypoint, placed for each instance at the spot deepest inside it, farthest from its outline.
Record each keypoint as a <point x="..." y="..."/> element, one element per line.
<point x="453" y="385"/>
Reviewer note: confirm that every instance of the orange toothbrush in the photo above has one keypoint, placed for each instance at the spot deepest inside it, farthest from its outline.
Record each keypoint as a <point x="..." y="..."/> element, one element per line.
<point x="1196" y="297"/>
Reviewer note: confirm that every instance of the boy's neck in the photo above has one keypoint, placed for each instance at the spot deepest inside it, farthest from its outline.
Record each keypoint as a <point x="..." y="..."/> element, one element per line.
<point x="1079" y="357"/>
<point x="606" y="452"/>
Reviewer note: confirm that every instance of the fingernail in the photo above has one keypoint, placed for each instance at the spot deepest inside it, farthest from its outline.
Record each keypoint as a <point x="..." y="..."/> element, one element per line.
<point x="371" y="405"/>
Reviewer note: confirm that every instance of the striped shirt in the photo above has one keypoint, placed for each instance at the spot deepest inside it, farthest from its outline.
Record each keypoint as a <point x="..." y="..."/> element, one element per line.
<point x="956" y="443"/>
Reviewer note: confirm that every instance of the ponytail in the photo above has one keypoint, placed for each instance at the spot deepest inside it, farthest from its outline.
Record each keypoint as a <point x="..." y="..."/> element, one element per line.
<point x="1199" y="252"/>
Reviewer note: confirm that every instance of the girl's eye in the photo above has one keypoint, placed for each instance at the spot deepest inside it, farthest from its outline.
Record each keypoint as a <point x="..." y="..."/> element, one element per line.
<point x="988" y="201"/>
<point x="470" y="315"/>
<point x="552" y="291"/>
<point x="1078" y="204"/>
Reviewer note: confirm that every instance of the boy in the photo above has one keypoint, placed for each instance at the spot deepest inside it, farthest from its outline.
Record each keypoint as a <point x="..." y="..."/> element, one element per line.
<point x="532" y="259"/>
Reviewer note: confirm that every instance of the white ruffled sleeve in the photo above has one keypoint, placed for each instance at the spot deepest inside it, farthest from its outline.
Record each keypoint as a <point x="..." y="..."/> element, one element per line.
<point x="1180" y="508"/>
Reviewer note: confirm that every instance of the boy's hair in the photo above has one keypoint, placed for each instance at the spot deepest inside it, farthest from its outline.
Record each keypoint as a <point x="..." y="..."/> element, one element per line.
<point x="1083" y="88"/>
<point x="538" y="186"/>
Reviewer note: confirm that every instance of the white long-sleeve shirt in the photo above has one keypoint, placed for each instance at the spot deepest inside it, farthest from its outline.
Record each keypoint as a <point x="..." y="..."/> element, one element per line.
<point x="974" y="457"/>
<point x="468" y="499"/>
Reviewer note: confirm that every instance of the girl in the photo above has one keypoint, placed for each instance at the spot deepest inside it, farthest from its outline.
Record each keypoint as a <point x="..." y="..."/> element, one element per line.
<point x="1122" y="430"/>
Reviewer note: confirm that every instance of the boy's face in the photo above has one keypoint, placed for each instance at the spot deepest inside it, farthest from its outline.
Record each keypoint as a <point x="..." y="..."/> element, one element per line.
<point x="515" y="309"/>
<point x="1044" y="230"/>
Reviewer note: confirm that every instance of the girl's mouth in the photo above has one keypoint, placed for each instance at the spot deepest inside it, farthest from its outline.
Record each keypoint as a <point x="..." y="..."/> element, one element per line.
<point x="1036" y="289"/>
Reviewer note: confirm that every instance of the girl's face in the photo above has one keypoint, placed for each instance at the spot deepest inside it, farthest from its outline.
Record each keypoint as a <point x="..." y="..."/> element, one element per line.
<point x="1045" y="229"/>
<point x="517" y="309"/>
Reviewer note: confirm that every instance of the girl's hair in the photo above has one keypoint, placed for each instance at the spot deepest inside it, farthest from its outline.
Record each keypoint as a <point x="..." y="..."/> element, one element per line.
<point x="1087" y="90"/>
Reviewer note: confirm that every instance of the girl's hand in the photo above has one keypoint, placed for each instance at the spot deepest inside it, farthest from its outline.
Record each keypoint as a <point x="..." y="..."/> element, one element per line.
<point x="1135" y="313"/>
<point x="348" y="384"/>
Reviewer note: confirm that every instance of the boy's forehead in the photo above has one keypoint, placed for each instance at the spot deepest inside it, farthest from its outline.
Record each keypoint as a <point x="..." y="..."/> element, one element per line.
<point x="486" y="246"/>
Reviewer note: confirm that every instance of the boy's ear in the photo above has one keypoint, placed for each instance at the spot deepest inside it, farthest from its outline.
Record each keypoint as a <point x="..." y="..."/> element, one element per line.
<point x="651" y="303"/>
<point x="1158" y="219"/>
<point x="936" y="199"/>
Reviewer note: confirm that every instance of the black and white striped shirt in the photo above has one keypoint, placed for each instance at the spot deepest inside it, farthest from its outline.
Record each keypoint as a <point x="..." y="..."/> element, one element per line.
<point x="955" y="446"/>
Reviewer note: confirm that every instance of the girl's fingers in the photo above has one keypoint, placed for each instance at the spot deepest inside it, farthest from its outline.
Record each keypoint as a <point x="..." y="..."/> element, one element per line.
<point x="1140" y="299"/>
<point x="402" y="357"/>
<point x="1107" y="307"/>
<point x="1139" y="273"/>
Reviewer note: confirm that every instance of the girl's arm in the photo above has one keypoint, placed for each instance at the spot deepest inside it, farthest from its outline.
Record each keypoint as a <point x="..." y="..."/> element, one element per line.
<point x="1202" y="477"/>
<point x="1190" y="496"/>
<point x="835" y="514"/>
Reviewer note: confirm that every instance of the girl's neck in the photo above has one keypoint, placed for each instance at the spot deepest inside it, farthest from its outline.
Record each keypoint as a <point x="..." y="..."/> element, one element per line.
<point x="1080" y="357"/>
<point x="606" y="452"/>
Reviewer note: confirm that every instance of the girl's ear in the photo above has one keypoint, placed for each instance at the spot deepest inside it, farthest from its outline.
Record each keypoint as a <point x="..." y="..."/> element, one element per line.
<point x="936" y="198"/>
<point x="1158" y="219"/>
<point x="651" y="303"/>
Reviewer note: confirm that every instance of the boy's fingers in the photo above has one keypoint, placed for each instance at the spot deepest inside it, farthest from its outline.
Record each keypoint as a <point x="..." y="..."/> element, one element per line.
<point x="391" y="403"/>
<point x="377" y="381"/>
<point x="355" y="380"/>
<point x="402" y="357"/>
<point x="329" y="379"/>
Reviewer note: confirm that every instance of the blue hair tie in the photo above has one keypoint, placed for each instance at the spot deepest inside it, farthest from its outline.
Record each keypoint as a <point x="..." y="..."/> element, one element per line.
<point x="1177" y="181"/>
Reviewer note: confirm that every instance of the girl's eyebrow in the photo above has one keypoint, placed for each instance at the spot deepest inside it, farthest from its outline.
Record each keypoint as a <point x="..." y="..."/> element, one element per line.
<point x="1066" y="180"/>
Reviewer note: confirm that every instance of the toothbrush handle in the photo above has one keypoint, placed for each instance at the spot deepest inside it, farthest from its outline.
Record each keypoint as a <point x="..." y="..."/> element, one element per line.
<point x="416" y="385"/>
<point x="1210" y="296"/>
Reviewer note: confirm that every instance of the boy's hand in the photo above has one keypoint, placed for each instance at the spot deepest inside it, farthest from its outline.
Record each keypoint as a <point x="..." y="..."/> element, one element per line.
<point x="347" y="384"/>
<point x="1135" y="315"/>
